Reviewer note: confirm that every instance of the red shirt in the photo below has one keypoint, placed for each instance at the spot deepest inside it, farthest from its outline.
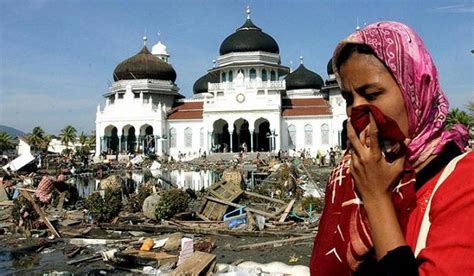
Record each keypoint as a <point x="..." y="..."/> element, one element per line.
<point x="450" y="242"/>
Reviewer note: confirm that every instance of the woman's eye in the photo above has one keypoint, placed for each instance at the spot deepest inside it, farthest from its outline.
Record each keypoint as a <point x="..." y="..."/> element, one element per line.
<point x="372" y="96"/>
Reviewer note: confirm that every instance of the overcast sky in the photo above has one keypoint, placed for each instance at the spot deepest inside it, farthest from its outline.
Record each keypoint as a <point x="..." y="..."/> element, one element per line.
<point x="57" y="57"/>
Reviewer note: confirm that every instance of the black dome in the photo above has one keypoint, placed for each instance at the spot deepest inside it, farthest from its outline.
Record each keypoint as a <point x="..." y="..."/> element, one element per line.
<point x="303" y="78"/>
<point x="249" y="38"/>
<point x="144" y="65"/>
<point x="200" y="86"/>
<point x="329" y="68"/>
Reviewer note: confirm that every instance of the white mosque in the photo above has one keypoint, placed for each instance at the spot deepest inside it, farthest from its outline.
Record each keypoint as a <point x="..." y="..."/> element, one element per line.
<point x="248" y="98"/>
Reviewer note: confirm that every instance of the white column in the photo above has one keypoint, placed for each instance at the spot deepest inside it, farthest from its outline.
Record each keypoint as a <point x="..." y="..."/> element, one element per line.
<point x="277" y="132"/>
<point x="231" y="134"/>
<point x="251" y="140"/>
<point x="120" y="144"/>
<point x="209" y="142"/>
<point x="98" y="144"/>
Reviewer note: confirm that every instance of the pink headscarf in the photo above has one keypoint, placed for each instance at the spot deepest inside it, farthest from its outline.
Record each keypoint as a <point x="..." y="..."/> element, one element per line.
<point x="407" y="58"/>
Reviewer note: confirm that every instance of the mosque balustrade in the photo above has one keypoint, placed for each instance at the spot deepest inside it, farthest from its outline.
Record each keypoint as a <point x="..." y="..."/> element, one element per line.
<point x="277" y="85"/>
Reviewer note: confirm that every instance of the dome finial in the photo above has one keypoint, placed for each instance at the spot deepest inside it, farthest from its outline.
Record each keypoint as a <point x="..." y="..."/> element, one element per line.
<point x="301" y="59"/>
<point x="357" y="27"/>
<point x="144" y="38"/>
<point x="213" y="63"/>
<point x="248" y="12"/>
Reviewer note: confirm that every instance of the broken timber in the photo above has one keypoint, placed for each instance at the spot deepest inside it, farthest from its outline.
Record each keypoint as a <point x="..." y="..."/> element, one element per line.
<point x="198" y="263"/>
<point x="40" y="213"/>
<point x="287" y="211"/>
<point x="151" y="228"/>
<point x="272" y="244"/>
<point x="265" y="214"/>
<point x="224" y="190"/>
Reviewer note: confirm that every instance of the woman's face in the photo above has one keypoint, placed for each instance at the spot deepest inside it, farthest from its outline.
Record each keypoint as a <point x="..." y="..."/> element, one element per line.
<point x="365" y="80"/>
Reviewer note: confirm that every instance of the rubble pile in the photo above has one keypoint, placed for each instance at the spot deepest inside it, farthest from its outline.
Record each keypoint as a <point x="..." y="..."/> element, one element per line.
<point x="258" y="204"/>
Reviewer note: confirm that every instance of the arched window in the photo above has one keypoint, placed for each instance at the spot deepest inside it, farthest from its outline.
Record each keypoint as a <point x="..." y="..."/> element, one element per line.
<point x="223" y="77"/>
<point x="253" y="74"/>
<point x="231" y="76"/>
<point x="188" y="137"/>
<point x="201" y="137"/>
<point x="173" y="138"/>
<point x="273" y="76"/>
<point x="308" y="135"/>
<point x="241" y="71"/>
<point x="325" y="134"/>
<point x="264" y="75"/>
<point x="291" y="136"/>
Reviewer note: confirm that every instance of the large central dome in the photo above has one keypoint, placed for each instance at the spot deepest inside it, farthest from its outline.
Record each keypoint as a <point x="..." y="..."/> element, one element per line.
<point x="144" y="65"/>
<point x="249" y="38"/>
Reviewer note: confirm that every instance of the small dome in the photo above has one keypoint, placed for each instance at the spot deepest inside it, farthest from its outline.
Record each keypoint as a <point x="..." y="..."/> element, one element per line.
<point x="303" y="78"/>
<point x="144" y="65"/>
<point x="329" y="68"/>
<point x="249" y="38"/>
<point x="159" y="49"/>
<point x="200" y="86"/>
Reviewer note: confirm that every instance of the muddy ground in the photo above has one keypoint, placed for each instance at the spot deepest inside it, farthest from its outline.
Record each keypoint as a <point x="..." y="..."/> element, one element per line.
<point x="19" y="255"/>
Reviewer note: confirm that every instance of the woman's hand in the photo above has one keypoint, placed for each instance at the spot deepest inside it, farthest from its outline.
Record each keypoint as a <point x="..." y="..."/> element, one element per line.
<point x="373" y="175"/>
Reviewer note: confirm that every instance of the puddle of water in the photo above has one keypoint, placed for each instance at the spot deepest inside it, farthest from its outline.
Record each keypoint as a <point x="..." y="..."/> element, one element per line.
<point x="195" y="180"/>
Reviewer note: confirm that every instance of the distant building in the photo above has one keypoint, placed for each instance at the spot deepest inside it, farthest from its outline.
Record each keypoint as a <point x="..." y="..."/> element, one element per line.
<point x="247" y="99"/>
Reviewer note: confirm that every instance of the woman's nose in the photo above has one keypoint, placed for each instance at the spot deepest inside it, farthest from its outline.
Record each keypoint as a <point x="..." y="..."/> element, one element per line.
<point x="358" y="100"/>
<point x="355" y="100"/>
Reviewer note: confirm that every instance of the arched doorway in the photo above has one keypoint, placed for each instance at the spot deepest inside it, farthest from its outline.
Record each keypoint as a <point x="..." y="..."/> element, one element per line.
<point x="110" y="141"/>
<point x="220" y="136"/>
<point x="262" y="131"/>
<point x="131" y="139"/>
<point x="148" y="140"/>
<point x="241" y="135"/>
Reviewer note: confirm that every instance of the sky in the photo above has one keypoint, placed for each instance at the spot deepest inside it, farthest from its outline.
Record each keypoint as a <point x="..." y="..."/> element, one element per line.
<point x="57" y="57"/>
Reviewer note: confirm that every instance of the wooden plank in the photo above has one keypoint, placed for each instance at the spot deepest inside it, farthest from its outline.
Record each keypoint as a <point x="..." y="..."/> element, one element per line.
<point x="85" y="259"/>
<point x="196" y="264"/>
<point x="7" y="203"/>
<point x="265" y="214"/>
<point x="287" y="211"/>
<point x="264" y="197"/>
<point x="250" y="220"/>
<point x="27" y="189"/>
<point x="203" y="217"/>
<point x="62" y="196"/>
<point x="214" y="211"/>
<point x="272" y="244"/>
<point x="210" y="271"/>
<point x="40" y="213"/>
<point x="197" y="230"/>
<point x="225" y="190"/>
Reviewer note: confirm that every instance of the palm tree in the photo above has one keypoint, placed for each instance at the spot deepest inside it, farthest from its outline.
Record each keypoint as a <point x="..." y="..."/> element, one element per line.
<point x="68" y="135"/>
<point x="470" y="108"/>
<point x="46" y="140"/>
<point x="83" y="141"/>
<point x="456" y="116"/>
<point x="36" y="138"/>
<point x="91" y="140"/>
<point x="5" y="141"/>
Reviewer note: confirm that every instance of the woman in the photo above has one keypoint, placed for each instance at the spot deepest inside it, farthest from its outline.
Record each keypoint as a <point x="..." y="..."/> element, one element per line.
<point x="401" y="201"/>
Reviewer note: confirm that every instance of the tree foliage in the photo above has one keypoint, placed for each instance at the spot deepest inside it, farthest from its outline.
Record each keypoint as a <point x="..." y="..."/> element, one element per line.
<point x="36" y="138"/>
<point x="5" y="141"/>
<point x="68" y="135"/>
<point x="456" y="116"/>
